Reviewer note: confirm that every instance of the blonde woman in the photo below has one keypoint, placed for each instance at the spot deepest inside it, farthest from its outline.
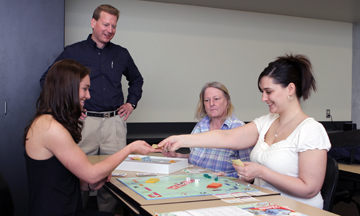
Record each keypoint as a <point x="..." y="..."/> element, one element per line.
<point x="215" y="112"/>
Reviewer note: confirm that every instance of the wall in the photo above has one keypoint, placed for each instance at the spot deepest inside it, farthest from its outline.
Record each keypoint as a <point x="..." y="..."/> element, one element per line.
<point x="178" y="48"/>
<point x="355" y="110"/>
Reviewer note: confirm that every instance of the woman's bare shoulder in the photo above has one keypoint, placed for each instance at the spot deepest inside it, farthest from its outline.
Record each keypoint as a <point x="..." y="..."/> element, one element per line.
<point x="47" y="123"/>
<point x="45" y="126"/>
<point x="44" y="137"/>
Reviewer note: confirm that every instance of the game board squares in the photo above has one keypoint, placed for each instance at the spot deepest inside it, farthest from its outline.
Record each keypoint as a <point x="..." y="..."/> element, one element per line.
<point x="154" y="195"/>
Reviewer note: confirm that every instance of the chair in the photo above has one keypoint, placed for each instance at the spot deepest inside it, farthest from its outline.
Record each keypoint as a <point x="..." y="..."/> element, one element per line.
<point x="347" y="188"/>
<point x="6" y="201"/>
<point x="330" y="183"/>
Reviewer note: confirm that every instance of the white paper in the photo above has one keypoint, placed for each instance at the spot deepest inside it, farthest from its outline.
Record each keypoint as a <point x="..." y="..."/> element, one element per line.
<point x="220" y="211"/>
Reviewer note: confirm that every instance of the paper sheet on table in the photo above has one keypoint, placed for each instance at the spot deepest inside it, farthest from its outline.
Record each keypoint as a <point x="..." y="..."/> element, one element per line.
<point x="218" y="211"/>
<point x="261" y="208"/>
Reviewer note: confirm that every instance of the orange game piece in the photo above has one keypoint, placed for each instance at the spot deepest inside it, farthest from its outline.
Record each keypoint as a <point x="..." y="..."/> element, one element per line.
<point x="214" y="185"/>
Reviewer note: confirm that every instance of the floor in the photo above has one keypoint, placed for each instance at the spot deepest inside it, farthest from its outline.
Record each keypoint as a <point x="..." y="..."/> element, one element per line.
<point x="92" y="205"/>
<point x="347" y="209"/>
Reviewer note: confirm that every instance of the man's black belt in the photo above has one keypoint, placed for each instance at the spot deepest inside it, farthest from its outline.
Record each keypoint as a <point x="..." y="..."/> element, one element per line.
<point x="102" y="114"/>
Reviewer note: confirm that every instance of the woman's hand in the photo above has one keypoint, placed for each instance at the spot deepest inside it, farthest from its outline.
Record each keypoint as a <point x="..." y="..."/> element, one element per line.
<point x="83" y="115"/>
<point x="171" y="144"/>
<point x="249" y="172"/>
<point x="142" y="147"/>
<point x="99" y="184"/>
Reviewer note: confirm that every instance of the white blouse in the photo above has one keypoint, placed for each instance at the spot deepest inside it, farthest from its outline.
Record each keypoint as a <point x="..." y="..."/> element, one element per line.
<point x="283" y="156"/>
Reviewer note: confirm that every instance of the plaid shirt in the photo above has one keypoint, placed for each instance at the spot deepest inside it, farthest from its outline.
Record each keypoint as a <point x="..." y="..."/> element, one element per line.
<point x="217" y="160"/>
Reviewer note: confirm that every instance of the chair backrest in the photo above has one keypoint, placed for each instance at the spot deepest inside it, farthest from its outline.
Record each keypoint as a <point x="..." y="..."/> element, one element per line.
<point x="6" y="201"/>
<point x="329" y="187"/>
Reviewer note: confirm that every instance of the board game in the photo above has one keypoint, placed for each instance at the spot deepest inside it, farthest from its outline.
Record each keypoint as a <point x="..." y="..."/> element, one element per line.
<point x="187" y="185"/>
<point x="163" y="165"/>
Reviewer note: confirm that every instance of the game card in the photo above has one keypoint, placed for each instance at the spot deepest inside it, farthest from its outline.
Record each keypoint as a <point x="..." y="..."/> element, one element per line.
<point x="155" y="146"/>
<point x="145" y="174"/>
<point x="233" y="200"/>
<point x="238" y="162"/>
<point x="119" y="174"/>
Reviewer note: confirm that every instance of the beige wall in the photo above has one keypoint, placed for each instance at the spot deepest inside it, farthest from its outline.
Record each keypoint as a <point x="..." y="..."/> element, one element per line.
<point x="179" y="48"/>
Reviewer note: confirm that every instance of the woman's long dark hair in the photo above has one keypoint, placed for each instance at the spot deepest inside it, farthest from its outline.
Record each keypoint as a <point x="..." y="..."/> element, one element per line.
<point x="60" y="96"/>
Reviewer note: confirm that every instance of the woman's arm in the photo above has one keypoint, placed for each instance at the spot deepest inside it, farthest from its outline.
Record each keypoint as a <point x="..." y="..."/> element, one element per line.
<point x="312" y="168"/>
<point x="84" y="186"/>
<point x="47" y="137"/>
<point x="237" y="138"/>
<point x="77" y="162"/>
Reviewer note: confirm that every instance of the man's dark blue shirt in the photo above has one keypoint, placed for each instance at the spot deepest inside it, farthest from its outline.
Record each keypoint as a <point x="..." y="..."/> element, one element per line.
<point x="106" y="66"/>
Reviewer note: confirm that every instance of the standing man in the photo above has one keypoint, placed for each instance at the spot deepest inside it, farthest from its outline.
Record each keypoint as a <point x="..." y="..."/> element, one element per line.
<point x="104" y="130"/>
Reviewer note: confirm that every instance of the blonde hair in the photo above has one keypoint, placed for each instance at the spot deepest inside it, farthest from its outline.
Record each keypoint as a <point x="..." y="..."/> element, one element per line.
<point x="201" y="112"/>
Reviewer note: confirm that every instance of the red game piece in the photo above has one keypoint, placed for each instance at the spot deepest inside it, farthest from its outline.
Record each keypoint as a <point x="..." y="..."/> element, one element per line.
<point x="214" y="185"/>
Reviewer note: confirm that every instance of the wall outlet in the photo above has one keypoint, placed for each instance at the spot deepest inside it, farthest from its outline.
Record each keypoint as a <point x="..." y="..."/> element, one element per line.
<point x="328" y="113"/>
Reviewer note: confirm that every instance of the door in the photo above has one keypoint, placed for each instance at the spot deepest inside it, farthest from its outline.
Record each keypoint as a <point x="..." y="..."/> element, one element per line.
<point x="31" y="37"/>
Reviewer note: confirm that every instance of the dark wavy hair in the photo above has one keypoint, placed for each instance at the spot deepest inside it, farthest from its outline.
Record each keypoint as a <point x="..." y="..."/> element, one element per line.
<point x="60" y="96"/>
<point x="291" y="68"/>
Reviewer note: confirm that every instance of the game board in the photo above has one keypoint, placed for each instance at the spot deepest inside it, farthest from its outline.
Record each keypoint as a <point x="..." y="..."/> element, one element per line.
<point x="175" y="186"/>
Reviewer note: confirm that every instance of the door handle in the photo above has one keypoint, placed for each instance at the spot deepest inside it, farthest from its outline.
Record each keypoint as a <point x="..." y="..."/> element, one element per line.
<point x="5" y="108"/>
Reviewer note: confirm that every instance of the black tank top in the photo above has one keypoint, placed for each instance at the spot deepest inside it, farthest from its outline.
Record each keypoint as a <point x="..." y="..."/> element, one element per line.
<point x="53" y="189"/>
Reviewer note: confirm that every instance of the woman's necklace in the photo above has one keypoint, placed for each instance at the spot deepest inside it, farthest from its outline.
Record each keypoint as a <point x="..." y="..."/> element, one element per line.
<point x="276" y="133"/>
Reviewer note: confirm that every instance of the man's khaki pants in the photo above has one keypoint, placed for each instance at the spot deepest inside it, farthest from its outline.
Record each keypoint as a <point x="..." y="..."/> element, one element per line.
<point x="103" y="136"/>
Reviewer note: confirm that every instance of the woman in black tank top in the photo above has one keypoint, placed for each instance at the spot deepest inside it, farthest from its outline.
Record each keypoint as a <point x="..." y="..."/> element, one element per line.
<point x="57" y="168"/>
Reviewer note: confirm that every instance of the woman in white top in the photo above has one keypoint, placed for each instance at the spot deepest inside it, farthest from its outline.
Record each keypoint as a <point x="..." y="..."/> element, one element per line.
<point x="290" y="148"/>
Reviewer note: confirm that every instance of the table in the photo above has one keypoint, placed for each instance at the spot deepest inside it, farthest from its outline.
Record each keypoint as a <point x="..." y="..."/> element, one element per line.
<point x="351" y="168"/>
<point x="348" y="184"/>
<point x="134" y="201"/>
<point x="349" y="173"/>
<point x="148" y="210"/>
<point x="137" y="205"/>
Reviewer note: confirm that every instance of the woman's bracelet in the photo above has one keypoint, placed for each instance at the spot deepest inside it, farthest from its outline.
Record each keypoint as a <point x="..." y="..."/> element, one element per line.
<point x="91" y="190"/>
